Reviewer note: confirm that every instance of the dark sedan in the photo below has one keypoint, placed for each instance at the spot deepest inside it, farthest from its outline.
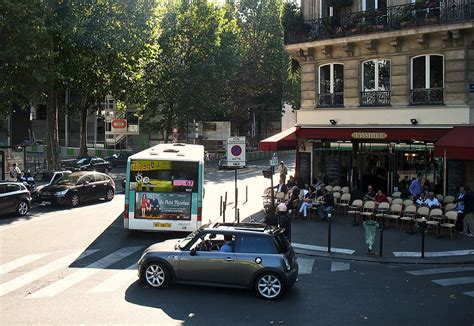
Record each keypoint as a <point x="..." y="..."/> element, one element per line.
<point x="14" y="197"/>
<point x="78" y="187"/>
<point x="89" y="164"/>
<point x="118" y="159"/>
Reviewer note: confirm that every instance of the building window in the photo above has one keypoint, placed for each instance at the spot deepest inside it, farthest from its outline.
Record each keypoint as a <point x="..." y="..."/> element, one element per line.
<point x="331" y="85"/>
<point x="375" y="83"/>
<point x="427" y="80"/>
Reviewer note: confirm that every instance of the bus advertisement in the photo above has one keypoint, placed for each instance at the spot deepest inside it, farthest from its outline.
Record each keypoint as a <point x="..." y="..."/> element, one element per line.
<point x="164" y="188"/>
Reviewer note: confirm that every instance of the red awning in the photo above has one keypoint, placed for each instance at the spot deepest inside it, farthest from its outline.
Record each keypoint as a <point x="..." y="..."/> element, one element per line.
<point x="283" y="140"/>
<point x="458" y="144"/>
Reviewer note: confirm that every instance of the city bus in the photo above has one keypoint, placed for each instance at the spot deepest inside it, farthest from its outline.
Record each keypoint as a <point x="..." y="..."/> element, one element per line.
<point x="164" y="188"/>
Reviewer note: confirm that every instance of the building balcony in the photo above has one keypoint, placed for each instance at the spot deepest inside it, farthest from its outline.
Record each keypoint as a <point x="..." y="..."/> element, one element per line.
<point x="331" y="100"/>
<point x="382" y="20"/>
<point x="375" y="98"/>
<point x="427" y="96"/>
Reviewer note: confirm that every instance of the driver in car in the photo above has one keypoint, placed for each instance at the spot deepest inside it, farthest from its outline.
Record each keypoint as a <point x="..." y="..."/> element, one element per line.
<point x="228" y="246"/>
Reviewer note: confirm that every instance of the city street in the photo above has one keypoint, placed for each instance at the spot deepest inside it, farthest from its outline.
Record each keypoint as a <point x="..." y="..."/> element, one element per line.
<point x="77" y="266"/>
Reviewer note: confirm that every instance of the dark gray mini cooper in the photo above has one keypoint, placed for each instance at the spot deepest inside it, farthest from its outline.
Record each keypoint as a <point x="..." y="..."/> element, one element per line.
<point x="254" y="256"/>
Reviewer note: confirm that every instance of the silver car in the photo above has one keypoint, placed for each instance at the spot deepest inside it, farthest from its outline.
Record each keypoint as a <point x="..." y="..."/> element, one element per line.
<point x="254" y="256"/>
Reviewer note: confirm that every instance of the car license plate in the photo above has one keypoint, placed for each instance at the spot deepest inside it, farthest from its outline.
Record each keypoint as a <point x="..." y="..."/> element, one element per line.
<point x="162" y="225"/>
<point x="45" y="203"/>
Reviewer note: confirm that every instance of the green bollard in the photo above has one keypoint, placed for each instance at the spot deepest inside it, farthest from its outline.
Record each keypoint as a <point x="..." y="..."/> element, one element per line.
<point x="370" y="227"/>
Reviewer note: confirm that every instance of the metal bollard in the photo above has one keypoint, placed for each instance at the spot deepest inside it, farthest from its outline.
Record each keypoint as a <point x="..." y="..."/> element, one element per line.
<point x="220" y="208"/>
<point x="225" y="198"/>
<point x="423" y="228"/>
<point x="246" y="193"/>
<point x="381" y="240"/>
<point x="224" y="208"/>
<point x="238" y="215"/>
<point x="329" y="232"/>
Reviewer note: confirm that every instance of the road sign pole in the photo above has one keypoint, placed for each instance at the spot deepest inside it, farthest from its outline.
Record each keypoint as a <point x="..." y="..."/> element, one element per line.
<point x="271" y="185"/>
<point x="236" y="197"/>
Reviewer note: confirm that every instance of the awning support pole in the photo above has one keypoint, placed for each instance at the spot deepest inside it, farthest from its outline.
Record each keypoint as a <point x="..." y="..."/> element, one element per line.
<point x="444" y="173"/>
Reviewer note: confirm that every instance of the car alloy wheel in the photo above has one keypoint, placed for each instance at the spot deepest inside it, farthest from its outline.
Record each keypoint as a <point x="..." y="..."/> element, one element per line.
<point x="109" y="195"/>
<point x="22" y="208"/>
<point x="156" y="275"/>
<point x="269" y="286"/>
<point x="75" y="200"/>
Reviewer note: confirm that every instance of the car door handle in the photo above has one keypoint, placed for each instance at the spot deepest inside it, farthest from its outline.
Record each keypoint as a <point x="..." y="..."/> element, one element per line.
<point x="229" y="259"/>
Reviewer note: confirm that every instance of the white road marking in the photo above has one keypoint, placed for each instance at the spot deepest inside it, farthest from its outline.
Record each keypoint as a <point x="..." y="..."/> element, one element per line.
<point x="337" y="266"/>
<point x="320" y="248"/>
<point x="470" y="293"/>
<point x="454" y="281"/>
<point x="83" y="273"/>
<point x="305" y="265"/>
<point x="432" y="271"/>
<point x="119" y="279"/>
<point x="434" y="253"/>
<point x="35" y="274"/>
<point x="8" y="267"/>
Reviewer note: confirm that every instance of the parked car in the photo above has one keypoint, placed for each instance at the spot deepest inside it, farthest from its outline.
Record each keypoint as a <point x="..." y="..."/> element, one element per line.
<point x="78" y="187"/>
<point x="89" y="164"/>
<point x="14" y="197"/>
<point x="257" y="256"/>
<point x="45" y="178"/>
<point x="118" y="159"/>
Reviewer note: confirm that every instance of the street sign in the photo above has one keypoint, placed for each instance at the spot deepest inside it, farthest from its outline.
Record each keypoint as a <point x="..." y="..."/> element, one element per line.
<point x="274" y="160"/>
<point x="236" y="151"/>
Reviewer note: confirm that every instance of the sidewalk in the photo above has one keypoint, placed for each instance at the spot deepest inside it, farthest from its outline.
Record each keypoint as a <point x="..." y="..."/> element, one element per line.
<point x="348" y="242"/>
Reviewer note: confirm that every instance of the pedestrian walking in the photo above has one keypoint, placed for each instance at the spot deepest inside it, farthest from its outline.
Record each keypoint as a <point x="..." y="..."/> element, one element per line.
<point x="468" y="223"/>
<point x="283" y="171"/>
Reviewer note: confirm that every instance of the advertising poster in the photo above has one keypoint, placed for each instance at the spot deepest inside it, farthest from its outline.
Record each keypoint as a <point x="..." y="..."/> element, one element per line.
<point x="169" y="206"/>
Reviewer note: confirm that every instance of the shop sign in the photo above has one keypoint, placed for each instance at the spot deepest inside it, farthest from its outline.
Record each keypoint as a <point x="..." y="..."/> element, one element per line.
<point x="369" y="135"/>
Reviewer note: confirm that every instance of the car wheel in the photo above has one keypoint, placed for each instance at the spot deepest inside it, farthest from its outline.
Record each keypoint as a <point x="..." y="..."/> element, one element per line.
<point x="109" y="194"/>
<point x="157" y="275"/>
<point x="75" y="200"/>
<point x="22" y="208"/>
<point x="106" y="170"/>
<point x="269" y="286"/>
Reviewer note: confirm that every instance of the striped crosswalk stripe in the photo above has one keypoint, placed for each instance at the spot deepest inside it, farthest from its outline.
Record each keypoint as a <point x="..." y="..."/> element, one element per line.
<point x="305" y="265"/>
<point x="37" y="273"/>
<point x="454" y="281"/>
<point x="83" y="273"/>
<point x="116" y="281"/>
<point x="432" y="271"/>
<point x="8" y="267"/>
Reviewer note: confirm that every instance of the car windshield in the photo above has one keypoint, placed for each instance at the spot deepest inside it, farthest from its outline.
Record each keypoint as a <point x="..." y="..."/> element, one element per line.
<point x="83" y="161"/>
<point x="68" y="180"/>
<point x="185" y="241"/>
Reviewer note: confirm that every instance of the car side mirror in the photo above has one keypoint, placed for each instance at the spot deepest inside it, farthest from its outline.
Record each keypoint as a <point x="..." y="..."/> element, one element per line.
<point x="193" y="252"/>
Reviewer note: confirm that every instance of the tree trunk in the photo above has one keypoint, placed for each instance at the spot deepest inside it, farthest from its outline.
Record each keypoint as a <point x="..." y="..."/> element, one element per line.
<point x="52" y="138"/>
<point x="83" y="131"/>
<point x="83" y="106"/>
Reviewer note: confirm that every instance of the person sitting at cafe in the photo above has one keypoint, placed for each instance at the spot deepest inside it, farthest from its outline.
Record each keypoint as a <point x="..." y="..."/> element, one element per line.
<point x="327" y="200"/>
<point x="459" y="201"/>
<point x="432" y="201"/>
<point x="421" y="201"/>
<point x="370" y="194"/>
<point x="307" y="202"/>
<point x="281" y="186"/>
<point x="291" y="182"/>
<point x="405" y="193"/>
<point x="380" y="197"/>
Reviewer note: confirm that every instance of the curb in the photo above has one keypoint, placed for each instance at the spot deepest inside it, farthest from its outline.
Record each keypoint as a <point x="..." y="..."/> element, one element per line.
<point x="386" y="260"/>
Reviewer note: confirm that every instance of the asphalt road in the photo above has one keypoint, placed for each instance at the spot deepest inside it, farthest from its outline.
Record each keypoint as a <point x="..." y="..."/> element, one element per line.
<point x="75" y="266"/>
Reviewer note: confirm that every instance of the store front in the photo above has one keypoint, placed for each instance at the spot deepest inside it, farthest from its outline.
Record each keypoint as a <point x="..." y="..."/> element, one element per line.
<point x="357" y="157"/>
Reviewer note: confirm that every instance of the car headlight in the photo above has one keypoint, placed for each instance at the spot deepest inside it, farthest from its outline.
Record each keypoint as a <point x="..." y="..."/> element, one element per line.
<point x="61" y="193"/>
<point x="287" y="263"/>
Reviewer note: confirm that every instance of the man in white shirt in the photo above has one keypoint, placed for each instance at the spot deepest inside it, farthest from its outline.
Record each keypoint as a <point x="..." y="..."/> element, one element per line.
<point x="432" y="201"/>
<point x="15" y="172"/>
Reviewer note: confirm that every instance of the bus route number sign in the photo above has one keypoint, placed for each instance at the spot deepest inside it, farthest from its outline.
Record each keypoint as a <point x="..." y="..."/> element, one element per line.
<point x="236" y="151"/>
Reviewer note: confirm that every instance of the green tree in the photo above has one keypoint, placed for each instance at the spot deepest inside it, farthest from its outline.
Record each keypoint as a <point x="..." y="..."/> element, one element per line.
<point x="196" y="57"/>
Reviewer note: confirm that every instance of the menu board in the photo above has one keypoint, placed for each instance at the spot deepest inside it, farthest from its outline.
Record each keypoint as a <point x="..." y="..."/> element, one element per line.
<point x="305" y="167"/>
<point x="455" y="177"/>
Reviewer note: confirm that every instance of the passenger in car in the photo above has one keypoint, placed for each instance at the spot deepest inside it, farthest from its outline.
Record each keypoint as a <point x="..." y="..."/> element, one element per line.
<point x="228" y="246"/>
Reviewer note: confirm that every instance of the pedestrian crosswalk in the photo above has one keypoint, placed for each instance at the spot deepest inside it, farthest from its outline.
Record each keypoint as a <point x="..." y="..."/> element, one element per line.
<point x="457" y="276"/>
<point x="45" y="275"/>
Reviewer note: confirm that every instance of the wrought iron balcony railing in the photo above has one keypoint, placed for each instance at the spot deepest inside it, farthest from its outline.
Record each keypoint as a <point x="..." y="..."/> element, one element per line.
<point x="331" y="100"/>
<point x="375" y="98"/>
<point x="385" y="19"/>
<point x="425" y="96"/>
